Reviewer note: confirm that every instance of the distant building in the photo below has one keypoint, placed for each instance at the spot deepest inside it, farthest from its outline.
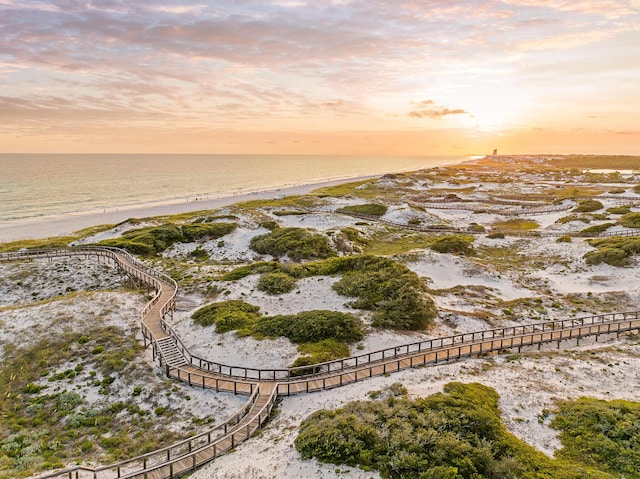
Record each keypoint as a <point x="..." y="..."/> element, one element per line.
<point x="495" y="152"/>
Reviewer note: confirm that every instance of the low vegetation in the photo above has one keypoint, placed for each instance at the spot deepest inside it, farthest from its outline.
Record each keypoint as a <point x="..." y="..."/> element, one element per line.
<point x="359" y="188"/>
<point x="370" y="209"/>
<point x="255" y="268"/>
<point x="614" y="251"/>
<point x="596" y="229"/>
<point x="155" y="239"/>
<point x="601" y="434"/>
<point x="456" y="434"/>
<point x="621" y="162"/>
<point x="350" y="240"/>
<point x="296" y="243"/>
<point x="619" y="210"/>
<point x="630" y="220"/>
<point x="276" y="283"/>
<point x="586" y="206"/>
<point x="316" y="353"/>
<point x="311" y="326"/>
<point x="457" y="244"/>
<point x="516" y="224"/>
<point x="391" y="242"/>
<point x="227" y="315"/>
<point x="47" y="423"/>
<point x="396" y="295"/>
<point x="321" y="335"/>
<point x="208" y="231"/>
<point x="570" y="218"/>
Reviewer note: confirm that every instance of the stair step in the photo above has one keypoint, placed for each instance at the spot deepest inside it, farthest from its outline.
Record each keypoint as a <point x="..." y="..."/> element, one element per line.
<point x="170" y="352"/>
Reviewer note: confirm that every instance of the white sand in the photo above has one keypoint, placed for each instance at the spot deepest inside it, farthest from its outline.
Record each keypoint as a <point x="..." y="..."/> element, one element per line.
<point x="526" y="384"/>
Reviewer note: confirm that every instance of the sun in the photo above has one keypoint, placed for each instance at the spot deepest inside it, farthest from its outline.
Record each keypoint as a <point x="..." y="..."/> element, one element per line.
<point x="490" y="103"/>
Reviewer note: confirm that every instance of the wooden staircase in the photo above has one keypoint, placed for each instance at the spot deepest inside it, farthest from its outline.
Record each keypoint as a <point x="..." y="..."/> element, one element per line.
<point x="264" y="385"/>
<point x="170" y="353"/>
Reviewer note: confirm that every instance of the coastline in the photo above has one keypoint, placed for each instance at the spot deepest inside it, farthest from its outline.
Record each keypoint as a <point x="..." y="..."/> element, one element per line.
<point x="63" y="225"/>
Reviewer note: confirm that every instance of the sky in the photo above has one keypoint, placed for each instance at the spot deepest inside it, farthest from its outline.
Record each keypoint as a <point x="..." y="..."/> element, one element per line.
<point x="365" y="77"/>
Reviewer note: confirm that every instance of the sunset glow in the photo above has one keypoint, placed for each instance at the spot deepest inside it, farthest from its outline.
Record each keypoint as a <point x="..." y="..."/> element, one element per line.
<point x="322" y="77"/>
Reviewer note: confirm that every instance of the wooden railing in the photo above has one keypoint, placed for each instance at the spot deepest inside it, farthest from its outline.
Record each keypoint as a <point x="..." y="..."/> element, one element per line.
<point x="542" y="210"/>
<point x="132" y="267"/>
<point x="211" y="373"/>
<point x="185" y="455"/>
<point x="160" y="458"/>
<point x="189" y="454"/>
<point x="525" y="234"/>
<point x="502" y="339"/>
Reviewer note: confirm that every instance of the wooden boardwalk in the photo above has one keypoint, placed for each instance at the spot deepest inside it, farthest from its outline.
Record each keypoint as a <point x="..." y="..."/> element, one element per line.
<point x="264" y="386"/>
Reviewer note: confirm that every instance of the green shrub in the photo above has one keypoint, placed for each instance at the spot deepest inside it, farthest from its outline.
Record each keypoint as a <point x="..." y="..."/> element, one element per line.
<point x="155" y="239"/>
<point x="496" y="235"/>
<point x="456" y="434"/>
<point x="270" y="225"/>
<point x="142" y="249"/>
<point x="458" y="244"/>
<point x="260" y="267"/>
<point x="614" y="251"/>
<point x="636" y="189"/>
<point x="392" y="291"/>
<point x="586" y="206"/>
<point x="149" y="240"/>
<point x="289" y="213"/>
<point x="227" y="315"/>
<point x="370" y="209"/>
<point x="395" y="294"/>
<point x="630" y="220"/>
<point x="304" y="361"/>
<point x="619" y="210"/>
<point x="616" y="191"/>
<point x="325" y="350"/>
<point x="297" y="243"/>
<point x="596" y="229"/>
<point x="611" y="256"/>
<point x="276" y="283"/>
<point x="570" y="218"/>
<point x="319" y="352"/>
<point x="32" y="388"/>
<point x="194" y="232"/>
<point x="414" y="221"/>
<point x="354" y="235"/>
<point x="475" y="228"/>
<point x="311" y="326"/>
<point x="564" y="239"/>
<point x="199" y="253"/>
<point x="601" y="434"/>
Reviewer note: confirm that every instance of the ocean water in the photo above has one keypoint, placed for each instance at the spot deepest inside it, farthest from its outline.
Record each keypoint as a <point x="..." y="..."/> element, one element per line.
<point x="45" y="185"/>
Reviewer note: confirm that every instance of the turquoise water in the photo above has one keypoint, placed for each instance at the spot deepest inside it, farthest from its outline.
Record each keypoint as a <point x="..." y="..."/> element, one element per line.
<point x="39" y="185"/>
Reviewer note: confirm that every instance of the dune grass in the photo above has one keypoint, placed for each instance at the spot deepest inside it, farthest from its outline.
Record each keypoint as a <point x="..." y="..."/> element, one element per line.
<point x="516" y="224"/>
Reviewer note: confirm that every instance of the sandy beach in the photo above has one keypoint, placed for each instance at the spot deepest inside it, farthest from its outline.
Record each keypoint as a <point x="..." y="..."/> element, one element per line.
<point x="508" y="281"/>
<point x="63" y="225"/>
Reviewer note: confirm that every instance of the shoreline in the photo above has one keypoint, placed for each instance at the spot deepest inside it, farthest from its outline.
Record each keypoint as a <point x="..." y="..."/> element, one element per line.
<point x="67" y="224"/>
